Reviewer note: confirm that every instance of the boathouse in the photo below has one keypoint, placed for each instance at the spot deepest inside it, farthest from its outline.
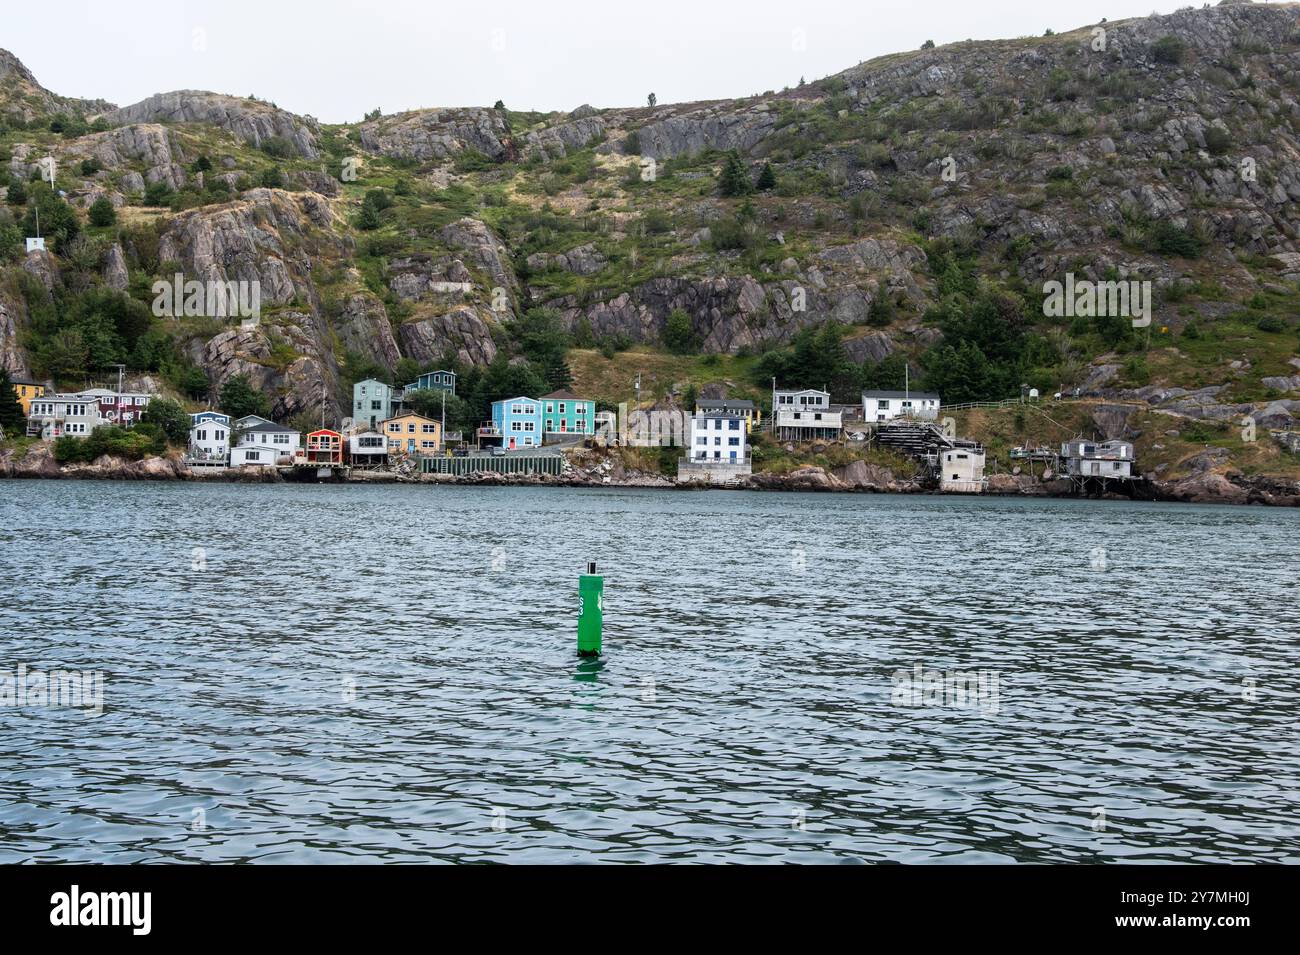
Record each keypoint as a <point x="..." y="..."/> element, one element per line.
<point x="324" y="448"/>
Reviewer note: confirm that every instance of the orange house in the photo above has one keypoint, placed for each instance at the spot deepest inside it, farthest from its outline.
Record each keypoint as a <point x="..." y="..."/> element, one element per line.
<point x="324" y="447"/>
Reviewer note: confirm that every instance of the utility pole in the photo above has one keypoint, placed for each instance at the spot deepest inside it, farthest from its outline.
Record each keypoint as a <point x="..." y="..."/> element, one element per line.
<point x="117" y="397"/>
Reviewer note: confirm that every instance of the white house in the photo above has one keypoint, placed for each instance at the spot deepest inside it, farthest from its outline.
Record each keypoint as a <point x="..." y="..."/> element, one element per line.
<point x="717" y="449"/>
<point x="805" y="415"/>
<point x="1106" y="459"/>
<point x="887" y="405"/>
<point x="367" y="449"/>
<point x="209" y="438"/>
<point x="961" y="470"/>
<point x="262" y="443"/>
<point x="64" y="414"/>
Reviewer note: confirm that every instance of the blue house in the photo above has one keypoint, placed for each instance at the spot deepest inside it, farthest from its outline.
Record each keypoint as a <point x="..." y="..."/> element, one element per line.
<point x="516" y="423"/>
<point x="436" y="381"/>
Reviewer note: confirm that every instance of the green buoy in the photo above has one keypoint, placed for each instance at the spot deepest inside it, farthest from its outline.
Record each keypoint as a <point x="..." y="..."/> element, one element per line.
<point x="591" y="589"/>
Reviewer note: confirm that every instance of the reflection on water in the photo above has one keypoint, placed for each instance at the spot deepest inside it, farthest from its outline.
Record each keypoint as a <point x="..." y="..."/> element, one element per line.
<point x="328" y="674"/>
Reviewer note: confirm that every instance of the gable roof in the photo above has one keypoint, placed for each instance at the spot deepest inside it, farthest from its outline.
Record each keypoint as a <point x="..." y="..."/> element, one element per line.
<point x="409" y="414"/>
<point x="742" y="403"/>
<point x="564" y="394"/>
<point x="268" y="427"/>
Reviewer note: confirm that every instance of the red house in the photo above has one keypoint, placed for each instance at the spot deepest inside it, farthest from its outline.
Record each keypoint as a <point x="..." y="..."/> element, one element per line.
<point x="324" y="447"/>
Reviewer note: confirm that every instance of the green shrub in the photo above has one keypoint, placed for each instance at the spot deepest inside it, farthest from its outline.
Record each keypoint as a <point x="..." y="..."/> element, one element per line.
<point x="1169" y="49"/>
<point x="278" y="146"/>
<point x="158" y="194"/>
<point x="1168" y="239"/>
<point x="1217" y="141"/>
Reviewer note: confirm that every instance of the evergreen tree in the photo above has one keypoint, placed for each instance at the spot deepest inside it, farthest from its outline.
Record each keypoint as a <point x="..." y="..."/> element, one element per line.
<point x="734" y="179"/>
<point x="679" y="334"/>
<point x="102" y="212"/>
<point x="17" y="195"/>
<point x="239" y="398"/>
<point x="170" y="417"/>
<point x="766" y="178"/>
<point x="12" y="419"/>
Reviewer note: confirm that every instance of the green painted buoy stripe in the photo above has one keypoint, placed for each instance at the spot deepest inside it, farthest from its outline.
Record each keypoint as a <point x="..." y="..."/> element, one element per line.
<point x="591" y="589"/>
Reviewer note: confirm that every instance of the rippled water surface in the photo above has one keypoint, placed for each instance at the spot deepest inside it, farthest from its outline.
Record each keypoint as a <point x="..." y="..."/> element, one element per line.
<point x="346" y="673"/>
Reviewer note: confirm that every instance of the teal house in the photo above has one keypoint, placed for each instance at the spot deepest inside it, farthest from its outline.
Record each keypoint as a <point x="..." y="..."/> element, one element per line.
<point x="435" y="381"/>
<point x="563" y="412"/>
<point x="372" y="402"/>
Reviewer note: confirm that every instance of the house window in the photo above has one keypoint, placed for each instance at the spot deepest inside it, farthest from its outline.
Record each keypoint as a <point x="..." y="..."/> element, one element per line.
<point x="733" y="425"/>
<point x="734" y="442"/>
<point x="701" y="440"/>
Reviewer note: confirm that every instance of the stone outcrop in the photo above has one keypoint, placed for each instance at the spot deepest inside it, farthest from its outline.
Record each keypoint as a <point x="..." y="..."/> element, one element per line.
<point x="364" y="328"/>
<point x="723" y="127"/>
<point x="437" y="134"/>
<point x="114" y="269"/>
<point x="289" y="360"/>
<point x="868" y="477"/>
<point x="13" y="358"/>
<point x="583" y="260"/>
<point x="463" y="330"/>
<point x="266" y="237"/>
<point x="251" y="120"/>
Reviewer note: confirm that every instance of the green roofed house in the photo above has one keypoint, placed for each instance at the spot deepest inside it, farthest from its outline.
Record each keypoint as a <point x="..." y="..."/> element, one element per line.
<point x="563" y="412"/>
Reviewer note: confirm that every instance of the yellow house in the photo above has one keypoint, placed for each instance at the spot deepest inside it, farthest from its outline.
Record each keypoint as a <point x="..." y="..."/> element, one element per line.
<point x="411" y="433"/>
<point x="26" y="391"/>
<point x="752" y="414"/>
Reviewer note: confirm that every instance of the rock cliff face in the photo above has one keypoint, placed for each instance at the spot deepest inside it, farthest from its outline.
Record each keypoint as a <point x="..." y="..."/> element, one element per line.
<point x="290" y="360"/>
<point x="12" y="357"/>
<point x="251" y="120"/>
<point x="437" y="134"/>
<point x="731" y="313"/>
<point x="268" y="236"/>
<point x="1035" y="156"/>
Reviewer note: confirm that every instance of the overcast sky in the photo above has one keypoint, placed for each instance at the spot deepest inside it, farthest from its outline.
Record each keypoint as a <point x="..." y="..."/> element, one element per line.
<point x="336" y="59"/>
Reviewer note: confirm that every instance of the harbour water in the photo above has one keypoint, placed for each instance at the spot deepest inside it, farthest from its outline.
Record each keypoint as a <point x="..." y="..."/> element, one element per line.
<point x="300" y="673"/>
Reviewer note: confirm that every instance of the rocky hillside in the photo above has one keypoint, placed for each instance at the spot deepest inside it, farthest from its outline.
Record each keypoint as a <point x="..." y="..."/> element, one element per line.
<point x="907" y="210"/>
